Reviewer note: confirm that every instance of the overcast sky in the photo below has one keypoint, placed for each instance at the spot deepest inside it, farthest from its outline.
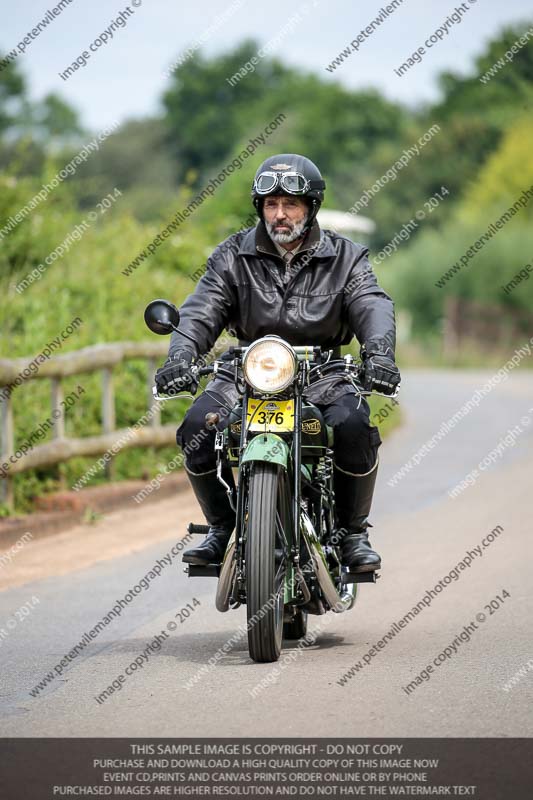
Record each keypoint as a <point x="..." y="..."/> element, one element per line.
<point x="126" y="78"/>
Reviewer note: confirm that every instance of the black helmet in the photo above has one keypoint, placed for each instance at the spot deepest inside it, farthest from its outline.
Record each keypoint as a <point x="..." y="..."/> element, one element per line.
<point x="289" y="174"/>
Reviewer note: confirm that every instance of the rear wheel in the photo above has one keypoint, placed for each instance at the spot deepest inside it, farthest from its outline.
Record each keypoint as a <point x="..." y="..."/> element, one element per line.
<point x="267" y="530"/>
<point x="297" y="627"/>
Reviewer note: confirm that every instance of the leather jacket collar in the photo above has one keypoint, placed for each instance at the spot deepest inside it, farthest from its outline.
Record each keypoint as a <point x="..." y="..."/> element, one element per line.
<point x="257" y="240"/>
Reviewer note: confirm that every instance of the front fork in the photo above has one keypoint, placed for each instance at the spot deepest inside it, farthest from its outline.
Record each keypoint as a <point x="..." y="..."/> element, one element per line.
<point x="293" y="577"/>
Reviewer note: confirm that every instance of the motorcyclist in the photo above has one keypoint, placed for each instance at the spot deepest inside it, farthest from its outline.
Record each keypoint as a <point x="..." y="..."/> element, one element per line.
<point x="288" y="277"/>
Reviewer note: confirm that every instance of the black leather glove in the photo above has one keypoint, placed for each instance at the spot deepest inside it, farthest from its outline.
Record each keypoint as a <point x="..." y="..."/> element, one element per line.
<point x="175" y="375"/>
<point x="380" y="372"/>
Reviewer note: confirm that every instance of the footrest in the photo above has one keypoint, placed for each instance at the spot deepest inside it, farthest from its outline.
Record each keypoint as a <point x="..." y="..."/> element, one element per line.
<point x="360" y="577"/>
<point x="192" y="528"/>
<point x="203" y="570"/>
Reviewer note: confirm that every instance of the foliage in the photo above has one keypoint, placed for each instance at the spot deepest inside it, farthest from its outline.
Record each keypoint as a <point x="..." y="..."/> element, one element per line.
<point x="482" y="155"/>
<point x="136" y="160"/>
<point x="55" y="121"/>
<point x="85" y="282"/>
<point x="33" y="127"/>
<point x="508" y="91"/>
<point x="12" y="93"/>
<point x="206" y="115"/>
<point x="506" y="174"/>
<point x="410" y="275"/>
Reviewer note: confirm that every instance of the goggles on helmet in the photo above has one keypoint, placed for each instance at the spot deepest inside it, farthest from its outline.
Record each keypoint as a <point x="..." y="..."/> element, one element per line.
<point x="290" y="182"/>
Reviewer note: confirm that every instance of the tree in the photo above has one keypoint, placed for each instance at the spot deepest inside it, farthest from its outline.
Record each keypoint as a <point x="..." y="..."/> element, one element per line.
<point x="508" y="89"/>
<point x="55" y="121"/>
<point x="506" y="174"/>
<point x="212" y="104"/>
<point x="205" y="114"/>
<point x="136" y="159"/>
<point x="12" y="94"/>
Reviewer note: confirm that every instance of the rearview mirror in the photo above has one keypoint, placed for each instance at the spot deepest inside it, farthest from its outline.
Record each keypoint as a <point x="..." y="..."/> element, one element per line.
<point x="162" y="317"/>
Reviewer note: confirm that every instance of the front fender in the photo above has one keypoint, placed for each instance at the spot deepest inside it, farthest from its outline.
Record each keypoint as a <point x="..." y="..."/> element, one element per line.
<point x="267" y="447"/>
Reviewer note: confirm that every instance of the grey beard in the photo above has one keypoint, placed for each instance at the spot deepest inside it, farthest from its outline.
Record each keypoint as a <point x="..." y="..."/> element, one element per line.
<point x="287" y="238"/>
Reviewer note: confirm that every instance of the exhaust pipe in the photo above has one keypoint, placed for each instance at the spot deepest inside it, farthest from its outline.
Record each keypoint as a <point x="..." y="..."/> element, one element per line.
<point x="337" y="602"/>
<point x="227" y="577"/>
<point x="348" y="597"/>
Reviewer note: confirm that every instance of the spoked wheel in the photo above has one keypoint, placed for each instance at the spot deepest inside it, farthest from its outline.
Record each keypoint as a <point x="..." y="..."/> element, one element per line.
<point x="266" y="537"/>
<point x="297" y="627"/>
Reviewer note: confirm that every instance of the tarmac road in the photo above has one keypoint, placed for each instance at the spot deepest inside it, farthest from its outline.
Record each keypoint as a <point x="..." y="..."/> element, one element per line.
<point x="67" y="583"/>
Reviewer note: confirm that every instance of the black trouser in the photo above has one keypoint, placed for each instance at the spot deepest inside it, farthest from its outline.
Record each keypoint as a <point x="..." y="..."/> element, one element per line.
<point x="355" y="440"/>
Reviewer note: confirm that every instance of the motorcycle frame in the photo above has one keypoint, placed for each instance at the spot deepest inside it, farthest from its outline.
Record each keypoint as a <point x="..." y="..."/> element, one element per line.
<point x="292" y="464"/>
<point x="330" y="586"/>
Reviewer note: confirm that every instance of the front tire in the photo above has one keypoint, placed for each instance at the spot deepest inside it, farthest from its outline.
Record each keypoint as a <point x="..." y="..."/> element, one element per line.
<point x="267" y="528"/>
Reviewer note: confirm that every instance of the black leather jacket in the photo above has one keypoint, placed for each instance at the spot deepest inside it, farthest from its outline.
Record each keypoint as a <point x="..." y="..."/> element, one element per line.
<point x="331" y="295"/>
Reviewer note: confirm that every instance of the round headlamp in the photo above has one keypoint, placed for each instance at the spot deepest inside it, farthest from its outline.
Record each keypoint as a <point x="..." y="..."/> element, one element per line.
<point x="270" y="365"/>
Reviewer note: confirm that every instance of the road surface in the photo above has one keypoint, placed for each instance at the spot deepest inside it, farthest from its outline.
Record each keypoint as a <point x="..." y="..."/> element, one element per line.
<point x="57" y="588"/>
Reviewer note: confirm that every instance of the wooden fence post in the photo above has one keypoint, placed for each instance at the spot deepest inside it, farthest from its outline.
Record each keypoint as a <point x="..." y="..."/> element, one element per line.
<point x="108" y="412"/>
<point x="58" y="421"/>
<point x="58" y="412"/>
<point x="8" y="446"/>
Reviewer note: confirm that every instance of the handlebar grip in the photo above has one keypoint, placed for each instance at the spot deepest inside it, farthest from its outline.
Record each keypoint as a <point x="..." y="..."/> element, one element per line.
<point x="205" y="370"/>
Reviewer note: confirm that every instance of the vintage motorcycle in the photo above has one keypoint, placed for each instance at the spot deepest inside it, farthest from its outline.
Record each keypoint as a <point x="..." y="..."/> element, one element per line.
<point x="282" y="560"/>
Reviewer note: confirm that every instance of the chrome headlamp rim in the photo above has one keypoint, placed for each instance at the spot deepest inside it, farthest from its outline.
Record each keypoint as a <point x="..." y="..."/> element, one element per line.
<point x="278" y="341"/>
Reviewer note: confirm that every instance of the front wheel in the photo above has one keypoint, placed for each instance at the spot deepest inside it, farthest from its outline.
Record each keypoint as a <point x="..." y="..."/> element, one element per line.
<point x="266" y="536"/>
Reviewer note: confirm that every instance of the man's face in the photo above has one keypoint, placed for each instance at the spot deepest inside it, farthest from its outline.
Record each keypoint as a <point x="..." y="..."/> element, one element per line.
<point x="285" y="218"/>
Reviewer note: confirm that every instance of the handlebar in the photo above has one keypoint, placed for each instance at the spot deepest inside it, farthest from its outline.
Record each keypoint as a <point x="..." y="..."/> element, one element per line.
<point x="339" y="364"/>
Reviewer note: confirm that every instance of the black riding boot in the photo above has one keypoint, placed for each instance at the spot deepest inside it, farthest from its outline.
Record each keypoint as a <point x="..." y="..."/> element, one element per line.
<point x="214" y="502"/>
<point x="353" y="499"/>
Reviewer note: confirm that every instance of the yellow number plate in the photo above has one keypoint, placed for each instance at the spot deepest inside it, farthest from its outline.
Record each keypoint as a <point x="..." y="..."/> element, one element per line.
<point x="270" y="415"/>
